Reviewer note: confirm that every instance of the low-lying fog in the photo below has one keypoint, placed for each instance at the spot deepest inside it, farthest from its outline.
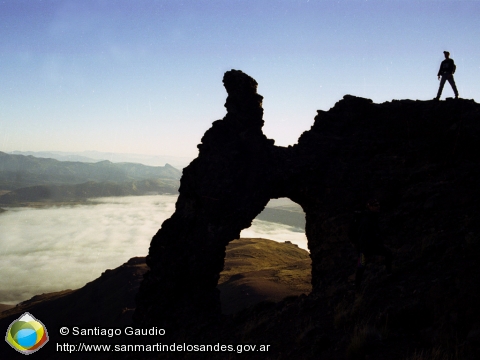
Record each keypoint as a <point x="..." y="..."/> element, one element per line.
<point x="58" y="248"/>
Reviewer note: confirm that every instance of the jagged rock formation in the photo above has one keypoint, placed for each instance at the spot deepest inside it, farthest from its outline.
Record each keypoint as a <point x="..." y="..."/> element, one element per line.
<point x="420" y="158"/>
<point x="239" y="161"/>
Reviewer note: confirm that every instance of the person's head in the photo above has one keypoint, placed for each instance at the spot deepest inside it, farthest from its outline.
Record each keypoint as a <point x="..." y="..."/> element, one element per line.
<point x="447" y="54"/>
<point x="373" y="205"/>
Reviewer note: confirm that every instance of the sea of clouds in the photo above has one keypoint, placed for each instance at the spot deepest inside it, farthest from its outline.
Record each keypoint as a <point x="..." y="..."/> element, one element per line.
<point x="57" y="248"/>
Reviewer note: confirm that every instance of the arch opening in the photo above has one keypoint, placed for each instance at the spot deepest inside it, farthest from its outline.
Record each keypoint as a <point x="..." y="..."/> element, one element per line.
<point x="269" y="262"/>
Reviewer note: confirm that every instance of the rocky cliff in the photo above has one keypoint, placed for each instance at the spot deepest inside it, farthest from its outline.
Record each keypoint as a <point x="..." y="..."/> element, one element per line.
<point x="419" y="158"/>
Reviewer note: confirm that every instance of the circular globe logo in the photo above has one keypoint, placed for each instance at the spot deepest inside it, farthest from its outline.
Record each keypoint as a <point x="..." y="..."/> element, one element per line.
<point x="27" y="334"/>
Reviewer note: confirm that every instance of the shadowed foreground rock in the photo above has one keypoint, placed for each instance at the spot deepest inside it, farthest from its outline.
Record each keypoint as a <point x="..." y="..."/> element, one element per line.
<point x="420" y="158"/>
<point x="255" y="270"/>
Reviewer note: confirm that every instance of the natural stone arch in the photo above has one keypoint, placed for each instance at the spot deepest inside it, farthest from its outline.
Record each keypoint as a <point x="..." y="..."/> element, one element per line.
<point x="221" y="192"/>
<point x="289" y="218"/>
<point x="418" y="157"/>
<point x="269" y="262"/>
<point x="237" y="172"/>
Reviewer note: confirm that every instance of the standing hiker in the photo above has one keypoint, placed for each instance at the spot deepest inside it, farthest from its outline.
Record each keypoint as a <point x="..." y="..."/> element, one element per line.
<point x="445" y="73"/>
<point x="369" y="242"/>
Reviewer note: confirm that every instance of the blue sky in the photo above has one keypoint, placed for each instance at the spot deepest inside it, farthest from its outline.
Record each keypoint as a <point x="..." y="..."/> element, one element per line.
<point x="145" y="76"/>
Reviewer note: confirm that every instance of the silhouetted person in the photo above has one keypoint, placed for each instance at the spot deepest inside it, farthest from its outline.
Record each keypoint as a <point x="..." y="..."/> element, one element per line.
<point x="370" y="242"/>
<point x="445" y="73"/>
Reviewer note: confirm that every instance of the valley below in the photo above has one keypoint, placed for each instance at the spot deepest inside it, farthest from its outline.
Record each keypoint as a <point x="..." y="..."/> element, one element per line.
<point x="84" y="238"/>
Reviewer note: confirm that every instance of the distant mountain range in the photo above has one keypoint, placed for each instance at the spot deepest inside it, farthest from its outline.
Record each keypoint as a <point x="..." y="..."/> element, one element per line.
<point x="91" y="189"/>
<point x="292" y="217"/>
<point x="17" y="171"/>
<point x="178" y="162"/>
<point x="31" y="179"/>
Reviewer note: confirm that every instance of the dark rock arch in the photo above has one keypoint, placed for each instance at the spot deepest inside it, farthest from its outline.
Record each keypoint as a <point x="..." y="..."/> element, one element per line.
<point x="355" y="150"/>
<point x="237" y="172"/>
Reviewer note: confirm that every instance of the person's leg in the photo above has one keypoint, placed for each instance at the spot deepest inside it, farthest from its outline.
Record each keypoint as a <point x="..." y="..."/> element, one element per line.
<point x="440" y="89"/>
<point x="452" y="83"/>
<point x="442" y="84"/>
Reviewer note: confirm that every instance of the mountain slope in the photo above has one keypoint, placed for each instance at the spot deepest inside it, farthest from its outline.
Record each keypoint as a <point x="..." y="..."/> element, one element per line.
<point x="17" y="171"/>
<point x="80" y="192"/>
<point x="178" y="162"/>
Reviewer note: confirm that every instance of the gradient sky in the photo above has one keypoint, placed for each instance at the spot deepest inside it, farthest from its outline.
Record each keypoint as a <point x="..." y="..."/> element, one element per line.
<point x="146" y="76"/>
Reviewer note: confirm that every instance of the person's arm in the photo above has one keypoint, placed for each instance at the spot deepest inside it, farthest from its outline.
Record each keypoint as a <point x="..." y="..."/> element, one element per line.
<point x="439" y="70"/>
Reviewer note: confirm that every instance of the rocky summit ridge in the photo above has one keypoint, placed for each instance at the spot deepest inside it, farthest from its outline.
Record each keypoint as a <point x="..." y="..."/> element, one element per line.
<point x="419" y="158"/>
